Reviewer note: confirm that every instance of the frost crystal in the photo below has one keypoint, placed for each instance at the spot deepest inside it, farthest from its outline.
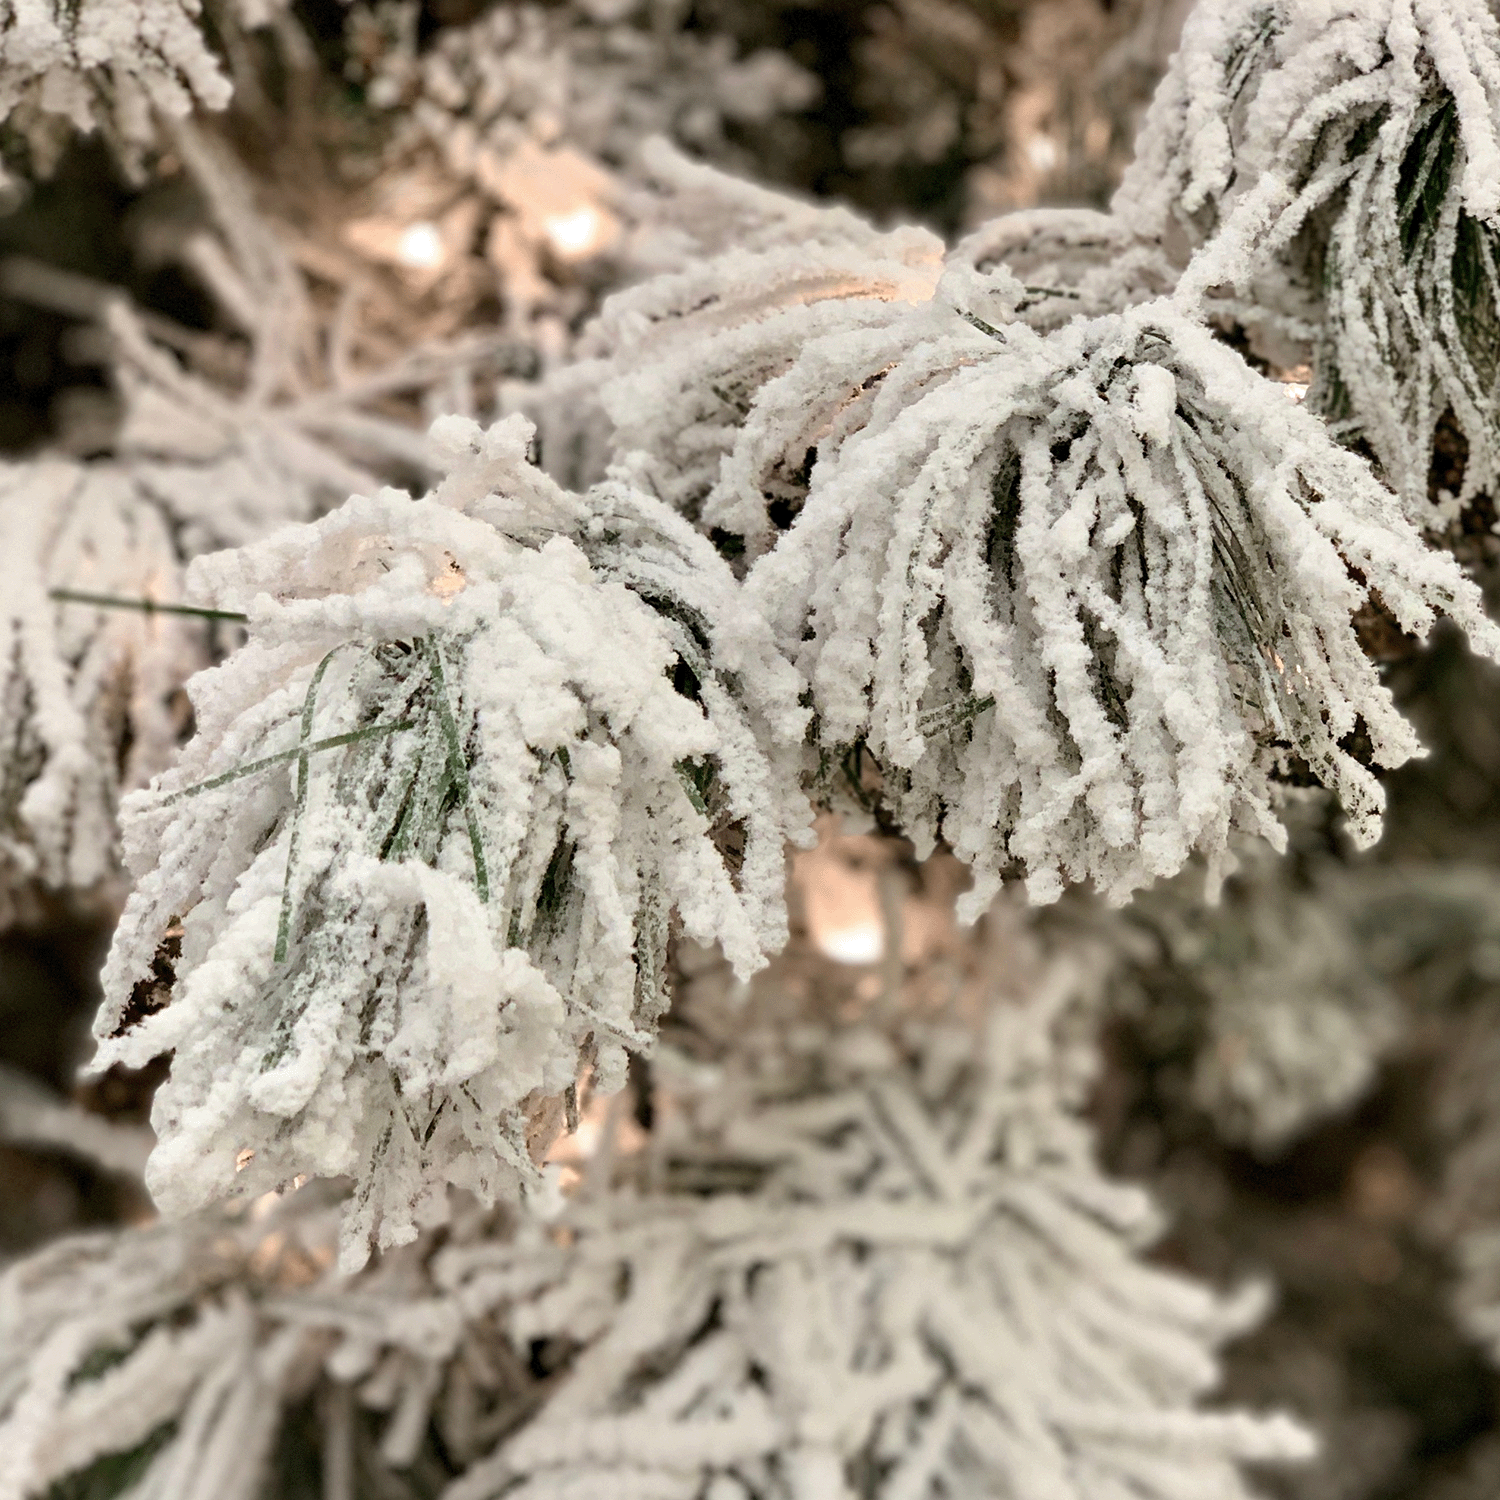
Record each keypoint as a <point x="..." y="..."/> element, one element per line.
<point x="429" y="839"/>
<point x="919" y="1286"/>
<point x="86" y="691"/>
<point x="1349" y="155"/>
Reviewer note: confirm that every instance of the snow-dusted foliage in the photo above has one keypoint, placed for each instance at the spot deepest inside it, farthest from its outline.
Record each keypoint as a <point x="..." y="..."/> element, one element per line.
<point x="879" y="1265"/>
<point x="116" y="65"/>
<point x="86" y="690"/>
<point x="221" y="441"/>
<point x="1352" y="151"/>
<point x="163" y="1361"/>
<point x="1071" y="262"/>
<point x="1288" y="1008"/>
<point x="672" y="369"/>
<point x="428" y="842"/>
<point x="1083" y="595"/>
<point x="856" y="1259"/>
<point x="1082" y="589"/>
<point x="97" y="1377"/>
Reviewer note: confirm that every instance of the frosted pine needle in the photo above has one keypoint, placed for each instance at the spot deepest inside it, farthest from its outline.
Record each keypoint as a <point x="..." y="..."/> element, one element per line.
<point x="70" y="65"/>
<point x="854" y="1260"/>
<point x="175" y="1360"/>
<point x="1069" y="263"/>
<point x="671" y="369"/>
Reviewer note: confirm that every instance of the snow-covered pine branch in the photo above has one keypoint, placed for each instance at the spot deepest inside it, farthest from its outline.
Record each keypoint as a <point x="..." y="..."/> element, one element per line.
<point x="1083" y="589"/>
<point x="86" y="689"/>
<point x="429" y="841"/>
<point x="119" y="66"/>
<point x="1351" y="150"/>
<point x="1070" y="262"/>
<point x="872" y="1265"/>
<point x="199" y="461"/>
<point x="1083" y="595"/>
<point x="165" y="1360"/>
<point x="671" y="369"/>
<point x="98" y="1378"/>
<point x="872" y="1259"/>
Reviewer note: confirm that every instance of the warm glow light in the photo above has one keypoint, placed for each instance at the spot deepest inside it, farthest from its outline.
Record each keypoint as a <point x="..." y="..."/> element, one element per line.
<point x="863" y="944"/>
<point x="576" y="234"/>
<point x="1041" y="151"/>
<point x="420" y="247"/>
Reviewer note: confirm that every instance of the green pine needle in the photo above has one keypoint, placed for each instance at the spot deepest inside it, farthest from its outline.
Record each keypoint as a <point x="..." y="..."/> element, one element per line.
<point x="457" y="765"/>
<point x="145" y="606"/>
<point x="250" y="768"/>
<point x="304" y="772"/>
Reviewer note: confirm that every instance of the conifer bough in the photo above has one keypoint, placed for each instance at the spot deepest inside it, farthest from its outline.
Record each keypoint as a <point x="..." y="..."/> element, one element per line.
<point x="424" y="853"/>
<point x="1009" y="523"/>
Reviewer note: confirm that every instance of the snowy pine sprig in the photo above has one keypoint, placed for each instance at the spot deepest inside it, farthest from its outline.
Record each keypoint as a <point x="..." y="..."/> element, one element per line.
<point x="204" y="1360"/>
<point x="87" y="676"/>
<point x="671" y="369"/>
<point x="203" y="458"/>
<point x="1083" y="594"/>
<point x="136" y="1357"/>
<point x="865" y="1259"/>
<point x="1349" y="152"/>
<point x="119" y="66"/>
<point x="428" y="844"/>
<point x="878" y="1266"/>
<point x="1083" y="588"/>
